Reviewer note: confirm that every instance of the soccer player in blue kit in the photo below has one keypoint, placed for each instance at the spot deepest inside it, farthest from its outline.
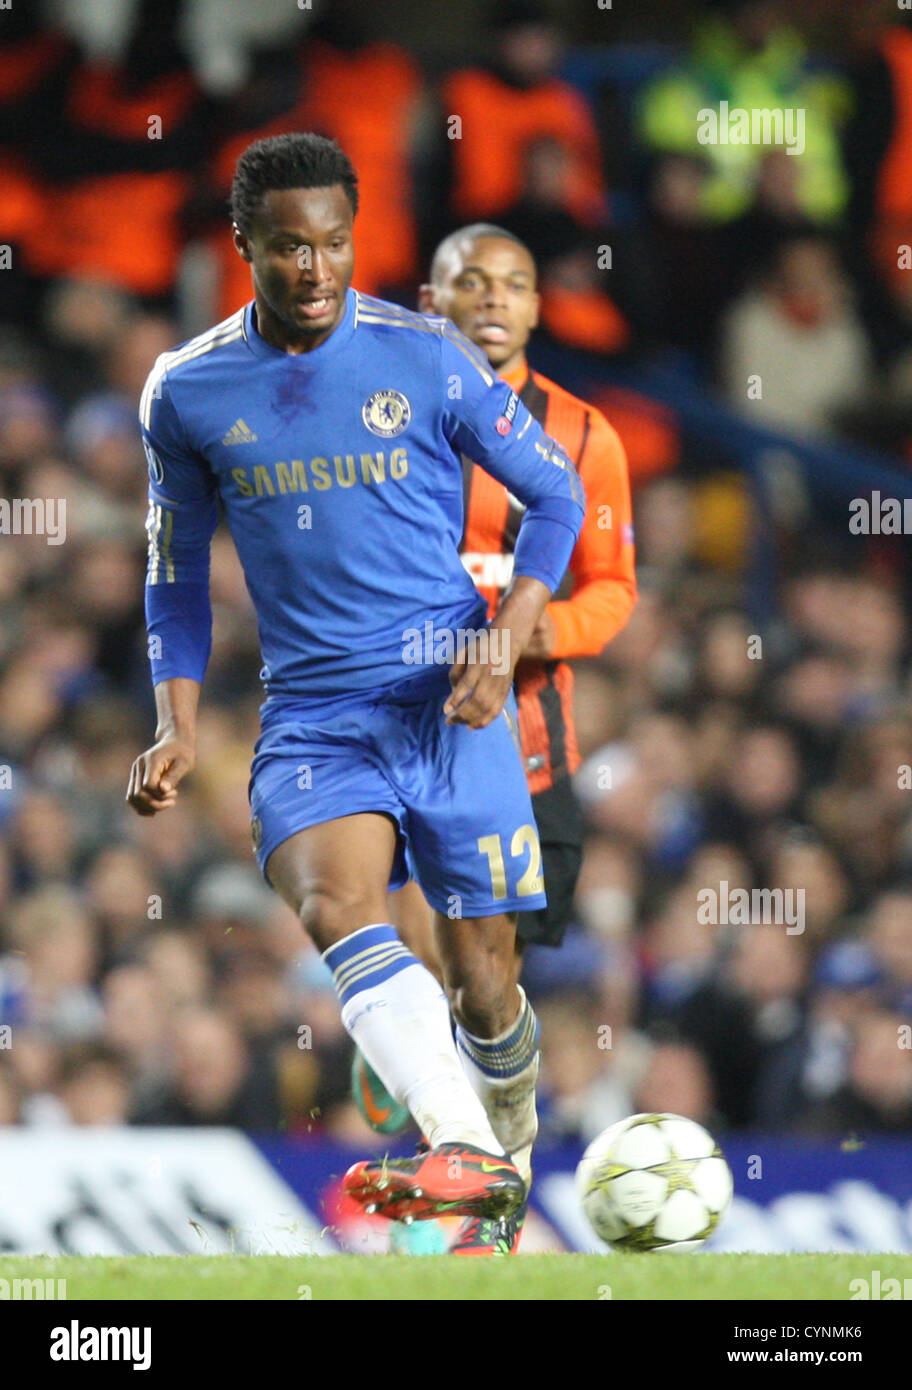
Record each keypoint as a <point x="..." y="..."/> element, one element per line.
<point x="331" y="427"/>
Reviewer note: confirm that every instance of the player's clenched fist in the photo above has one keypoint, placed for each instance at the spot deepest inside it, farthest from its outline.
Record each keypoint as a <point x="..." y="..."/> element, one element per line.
<point x="479" y="690"/>
<point x="479" y="687"/>
<point x="156" y="773"/>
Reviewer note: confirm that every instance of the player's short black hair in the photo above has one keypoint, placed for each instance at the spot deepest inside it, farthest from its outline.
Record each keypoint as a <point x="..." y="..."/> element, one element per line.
<point x="301" y="160"/>
<point x="475" y="231"/>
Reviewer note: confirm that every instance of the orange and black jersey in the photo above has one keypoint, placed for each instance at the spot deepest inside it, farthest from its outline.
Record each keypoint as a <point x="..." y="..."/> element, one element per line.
<point x="600" y="577"/>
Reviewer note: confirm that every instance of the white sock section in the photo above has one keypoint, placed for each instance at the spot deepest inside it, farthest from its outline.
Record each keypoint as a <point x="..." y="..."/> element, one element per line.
<point x="508" y="1100"/>
<point x="399" y="1017"/>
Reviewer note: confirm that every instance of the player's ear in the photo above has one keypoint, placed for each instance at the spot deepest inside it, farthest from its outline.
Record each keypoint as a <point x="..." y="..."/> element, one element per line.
<point x="536" y="306"/>
<point x="426" y="303"/>
<point x="242" y="245"/>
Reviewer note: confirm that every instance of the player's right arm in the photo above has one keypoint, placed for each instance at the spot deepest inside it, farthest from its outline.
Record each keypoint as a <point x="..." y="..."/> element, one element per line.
<point x="183" y="514"/>
<point x="155" y="774"/>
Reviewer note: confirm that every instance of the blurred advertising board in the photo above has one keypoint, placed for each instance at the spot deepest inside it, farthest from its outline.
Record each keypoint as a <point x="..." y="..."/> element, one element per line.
<point x="211" y="1191"/>
<point x="147" y="1191"/>
<point x="790" y="1195"/>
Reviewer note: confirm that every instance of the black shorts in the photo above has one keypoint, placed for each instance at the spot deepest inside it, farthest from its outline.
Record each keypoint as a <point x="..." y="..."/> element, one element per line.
<point x="560" y="830"/>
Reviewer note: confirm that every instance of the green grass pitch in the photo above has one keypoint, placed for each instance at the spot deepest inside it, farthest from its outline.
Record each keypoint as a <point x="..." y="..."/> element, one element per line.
<point x="397" y="1277"/>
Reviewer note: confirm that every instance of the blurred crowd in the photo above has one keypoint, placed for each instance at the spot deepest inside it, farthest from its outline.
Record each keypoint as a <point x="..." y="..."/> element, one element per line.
<point x="147" y="974"/>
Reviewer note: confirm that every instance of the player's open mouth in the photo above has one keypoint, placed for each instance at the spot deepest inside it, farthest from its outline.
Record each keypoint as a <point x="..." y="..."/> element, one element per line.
<point x="315" y="308"/>
<point x="493" y="333"/>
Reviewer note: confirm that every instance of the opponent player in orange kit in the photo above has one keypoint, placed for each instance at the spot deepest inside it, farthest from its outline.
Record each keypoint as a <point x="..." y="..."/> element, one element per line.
<point x="484" y="279"/>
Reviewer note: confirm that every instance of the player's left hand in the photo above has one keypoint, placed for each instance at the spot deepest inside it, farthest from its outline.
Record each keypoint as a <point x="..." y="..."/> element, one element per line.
<point x="479" y="691"/>
<point x="481" y="687"/>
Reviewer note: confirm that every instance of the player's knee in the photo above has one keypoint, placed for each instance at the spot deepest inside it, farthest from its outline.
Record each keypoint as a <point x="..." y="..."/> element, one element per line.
<point x="329" y="912"/>
<point x="483" y="999"/>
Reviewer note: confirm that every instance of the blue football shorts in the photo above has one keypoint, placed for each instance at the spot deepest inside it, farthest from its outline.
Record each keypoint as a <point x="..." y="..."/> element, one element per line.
<point x="459" y="796"/>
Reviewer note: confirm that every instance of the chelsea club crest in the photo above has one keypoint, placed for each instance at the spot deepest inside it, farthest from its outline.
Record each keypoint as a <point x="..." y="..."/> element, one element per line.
<point x="386" y="413"/>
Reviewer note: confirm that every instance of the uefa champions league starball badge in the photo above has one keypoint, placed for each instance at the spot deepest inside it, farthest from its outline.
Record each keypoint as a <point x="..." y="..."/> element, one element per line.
<point x="386" y="413"/>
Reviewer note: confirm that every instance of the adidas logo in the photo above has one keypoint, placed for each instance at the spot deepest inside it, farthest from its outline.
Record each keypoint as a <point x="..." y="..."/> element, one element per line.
<point x="240" y="433"/>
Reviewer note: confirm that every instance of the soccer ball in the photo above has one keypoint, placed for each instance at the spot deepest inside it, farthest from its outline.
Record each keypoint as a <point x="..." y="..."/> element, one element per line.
<point x="654" y="1182"/>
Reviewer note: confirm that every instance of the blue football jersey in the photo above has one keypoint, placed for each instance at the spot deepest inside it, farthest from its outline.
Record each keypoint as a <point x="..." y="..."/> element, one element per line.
<point x="340" y="472"/>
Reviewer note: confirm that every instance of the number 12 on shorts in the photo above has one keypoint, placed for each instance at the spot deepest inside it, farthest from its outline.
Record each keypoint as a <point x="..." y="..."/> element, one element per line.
<point x="531" y="881"/>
